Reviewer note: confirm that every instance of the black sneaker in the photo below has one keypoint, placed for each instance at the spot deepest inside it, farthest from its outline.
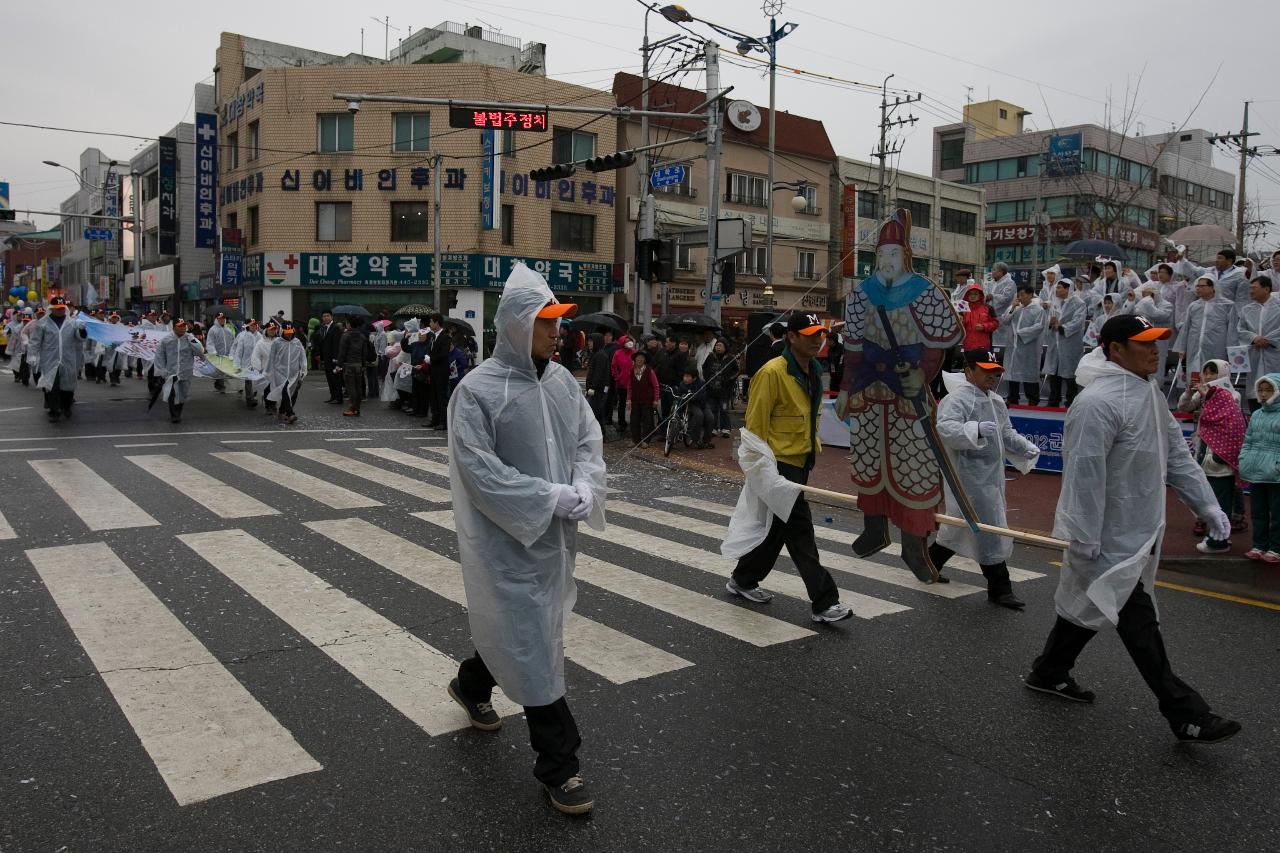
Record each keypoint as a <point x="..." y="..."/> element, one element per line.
<point x="1208" y="729"/>
<point x="572" y="797"/>
<point x="482" y="715"/>
<point x="1066" y="689"/>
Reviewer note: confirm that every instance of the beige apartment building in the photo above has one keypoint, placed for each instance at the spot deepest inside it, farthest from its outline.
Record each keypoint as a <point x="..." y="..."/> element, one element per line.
<point x="335" y="206"/>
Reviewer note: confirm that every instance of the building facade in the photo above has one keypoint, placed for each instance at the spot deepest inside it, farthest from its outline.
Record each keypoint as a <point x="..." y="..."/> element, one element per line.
<point x="333" y="205"/>
<point x="947" y="219"/>
<point x="1192" y="190"/>
<point x="31" y="260"/>
<point x="92" y="269"/>
<point x="803" y="251"/>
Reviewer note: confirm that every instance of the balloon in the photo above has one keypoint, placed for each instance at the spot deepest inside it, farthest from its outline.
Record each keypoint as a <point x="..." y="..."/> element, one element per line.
<point x="32" y="296"/>
<point x="13" y="300"/>
<point x="20" y="304"/>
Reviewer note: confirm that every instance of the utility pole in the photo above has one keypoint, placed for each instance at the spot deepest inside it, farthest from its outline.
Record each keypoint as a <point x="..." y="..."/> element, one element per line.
<point x="435" y="233"/>
<point x="711" y="304"/>
<point x="882" y="153"/>
<point x="1242" y="140"/>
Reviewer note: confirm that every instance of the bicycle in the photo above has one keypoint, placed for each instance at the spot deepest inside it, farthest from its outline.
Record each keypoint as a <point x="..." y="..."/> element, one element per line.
<point x="678" y="423"/>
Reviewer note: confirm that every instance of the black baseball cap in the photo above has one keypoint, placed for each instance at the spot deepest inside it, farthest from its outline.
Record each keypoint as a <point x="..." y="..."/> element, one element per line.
<point x="981" y="358"/>
<point x="804" y="324"/>
<point x="57" y="302"/>
<point x="1130" y="327"/>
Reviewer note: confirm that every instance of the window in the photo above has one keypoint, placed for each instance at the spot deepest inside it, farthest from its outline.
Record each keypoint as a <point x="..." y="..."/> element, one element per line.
<point x="408" y="221"/>
<point x="1059" y="206"/>
<point x="508" y="224"/>
<point x="746" y="189"/>
<point x="959" y="221"/>
<point x="333" y="220"/>
<point x="151" y="185"/>
<point x="1004" y="114"/>
<point x="508" y="143"/>
<point x="869" y="205"/>
<point x="232" y="220"/>
<point x="232" y="152"/>
<point x="683" y="261"/>
<point x="806" y="265"/>
<point x="336" y="132"/>
<point x="412" y="131"/>
<point x="570" y="146"/>
<point x="253" y="236"/>
<point x="251" y="149"/>
<point x="952" y="151"/>
<point x="574" y="232"/>
<point x="920" y="212"/>
<point x="751" y="261"/>
<point x="987" y="171"/>
<point x="1186" y="137"/>
<point x="810" y="194"/>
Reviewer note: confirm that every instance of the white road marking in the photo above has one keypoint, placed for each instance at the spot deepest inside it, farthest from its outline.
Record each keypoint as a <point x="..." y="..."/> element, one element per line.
<point x="330" y="494"/>
<point x="206" y="734"/>
<point x="850" y="565"/>
<point x="151" y="444"/>
<point x="24" y="449"/>
<point x="843" y="539"/>
<point x="348" y="439"/>
<point x="389" y="479"/>
<point x="17" y="409"/>
<point x="407" y="459"/>
<point x="712" y="562"/>
<point x="187" y="434"/>
<point x="6" y="529"/>
<point x="212" y="494"/>
<point x="246" y="441"/>
<point x="407" y="673"/>
<point x="100" y="505"/>
<point x="606" y="652"/>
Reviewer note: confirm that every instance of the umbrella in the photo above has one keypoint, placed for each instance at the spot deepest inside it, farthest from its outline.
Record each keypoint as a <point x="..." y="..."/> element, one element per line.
<point x="350" y="311"/>
<point x="590" y="322"/>
<point x="688" y="321"/>
<point x="414" y="310"/>
<point x="1208" y="233"/>
<point x="1093" y="249"/>
<point x="461" y="324"/>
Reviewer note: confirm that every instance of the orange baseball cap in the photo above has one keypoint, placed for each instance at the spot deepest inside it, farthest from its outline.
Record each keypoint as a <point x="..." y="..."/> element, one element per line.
<point x="1131" y="327"/>
<point x="804" y="324"/>
<point x="981" y="358"/>
<point x="557" y="309"/>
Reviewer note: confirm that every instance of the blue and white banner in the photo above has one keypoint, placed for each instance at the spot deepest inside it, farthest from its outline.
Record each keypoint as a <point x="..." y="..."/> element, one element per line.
<point x="206" y="180"/>
<point x="490" y="168"/>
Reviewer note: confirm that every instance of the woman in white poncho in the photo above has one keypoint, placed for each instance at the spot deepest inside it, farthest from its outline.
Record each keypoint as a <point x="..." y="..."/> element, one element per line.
<point x="526" y="466"/>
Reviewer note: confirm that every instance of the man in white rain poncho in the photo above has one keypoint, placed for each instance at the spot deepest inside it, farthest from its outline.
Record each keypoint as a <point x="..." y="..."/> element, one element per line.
<point x="1210" y="327"/>
<point x="1259" y="329"/>
<point x="1230" y="281"/>
<point x="1064" y="341"/>
<point x="242" y="349"/>
<point x="974" y="426"/>
<point x="56" y="353"/>
<point x="1027" y="320"/>
<point x="1001" y="291"/>
<point x="527" y="465"/>
<point x="1121" y="447"/>
<point x="285" y="369"/>
<point x="107" y="358"/>
<point x="258" y="361"/>
<point x="218" y="341"/>
<point x="174" y="364"/>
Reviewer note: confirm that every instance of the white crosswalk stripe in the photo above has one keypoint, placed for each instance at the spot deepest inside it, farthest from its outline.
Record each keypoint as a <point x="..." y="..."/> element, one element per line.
<point x="843" y="539"/>
<point x="98" y="504"/>
<point x="407" y="459"/>
<point x="214" y="495"/>
<point x="406" y="672"/>
<point x="373" y="474"/>
<point x="850" y="565"/>
<point x="6" y="529"/>
<point x="603" y="650"/>
<point x="330" y="494"/>
<point x="715" y="613"/>
<point x="863" y="606"/>
<point x="203" y="730"/>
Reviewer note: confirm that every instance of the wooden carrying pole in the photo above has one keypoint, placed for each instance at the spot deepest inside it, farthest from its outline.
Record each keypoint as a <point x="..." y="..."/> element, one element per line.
<point x="1029" y="538"/>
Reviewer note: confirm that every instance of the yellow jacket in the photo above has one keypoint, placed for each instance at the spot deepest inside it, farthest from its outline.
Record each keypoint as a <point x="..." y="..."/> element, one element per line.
<point x="780" y="411"/>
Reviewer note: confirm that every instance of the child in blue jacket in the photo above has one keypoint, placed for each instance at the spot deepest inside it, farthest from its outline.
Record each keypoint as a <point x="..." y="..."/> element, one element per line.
<point x="1260" y="465"/>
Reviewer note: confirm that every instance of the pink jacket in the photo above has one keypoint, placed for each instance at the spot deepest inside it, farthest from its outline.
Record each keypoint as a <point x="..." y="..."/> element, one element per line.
<point x="620" y="367"/>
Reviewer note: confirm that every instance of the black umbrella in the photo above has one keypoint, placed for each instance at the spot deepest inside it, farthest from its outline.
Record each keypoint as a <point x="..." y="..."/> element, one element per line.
<point x="688" y="321"/>
<point x="1092" y="249"/>
<point x="461" y="324"/>
<point x="350" y="311"/>
<point x="592" y="322"/>
<point x="414" y="310"/>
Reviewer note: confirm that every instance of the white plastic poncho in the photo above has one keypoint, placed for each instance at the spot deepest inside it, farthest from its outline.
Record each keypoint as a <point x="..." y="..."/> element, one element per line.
<point x="765" y="493"/>
<point x="1121" y="447"/>
<point x="1000" y="295"/>
<point x="979" y="462"/>
<point x="242" y="349"/>
<point x="1026" y="324"/>
<point x="1209" y="330"/>
<point x="175" y="362"/>
<point x="1260" y="319"/>
<point x="514" y="437"/>
<point x="286" y="366"/>
<point x="1231" y="285"/>
<point x="219" y="339"/>
<point x="56" y="352"/>
<point x="1064" y="344"/>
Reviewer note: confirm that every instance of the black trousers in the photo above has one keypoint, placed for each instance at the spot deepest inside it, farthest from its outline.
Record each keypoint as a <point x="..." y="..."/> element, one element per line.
<point x="439" y="396"/>
<point x="1031" y="389"/>
<point x="797" y="534"/>
<point x="1055" y="389"/>
<point x="421" y="396"/>
<point x="57" y="400"/>
<point x="622" y="408"/>
<point x="353" y="380"/>
<point x="335" y="383"/>
<point x="997" y="574"/>
<point x="1139" y="629"/>
<point x="250" y="397"/>
<point x="553" y="734"/>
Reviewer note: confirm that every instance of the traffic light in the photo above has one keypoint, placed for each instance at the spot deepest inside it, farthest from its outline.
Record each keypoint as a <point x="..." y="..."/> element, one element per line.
<point x="644" y="259"/>
<point x="553" y="172"/>
<point x="609" y="162"/>
<point x="8" y="215"/>
<point x="664" y="259"/>
<point x="728" y="276"/>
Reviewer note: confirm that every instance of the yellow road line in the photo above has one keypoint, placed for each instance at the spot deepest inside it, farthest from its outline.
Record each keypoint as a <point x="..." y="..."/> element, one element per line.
<point x="1222" y="595"/>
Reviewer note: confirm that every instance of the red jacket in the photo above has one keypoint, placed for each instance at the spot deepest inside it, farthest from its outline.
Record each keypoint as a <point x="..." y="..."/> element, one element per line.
<point x="643" y="390"/>
<point x="979" y="322"/>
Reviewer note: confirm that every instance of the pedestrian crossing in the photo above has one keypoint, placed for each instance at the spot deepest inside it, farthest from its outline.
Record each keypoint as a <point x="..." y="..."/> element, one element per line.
<point x="207" y="735"/>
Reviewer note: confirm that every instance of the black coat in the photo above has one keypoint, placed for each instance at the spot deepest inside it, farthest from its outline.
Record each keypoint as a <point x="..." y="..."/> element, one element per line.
<point x="354" y="349"/>
<point x="327" y="343"/>
<point x="441" y="345"/>
<point x="599" y="374"/>
<point x="671" y="366"/>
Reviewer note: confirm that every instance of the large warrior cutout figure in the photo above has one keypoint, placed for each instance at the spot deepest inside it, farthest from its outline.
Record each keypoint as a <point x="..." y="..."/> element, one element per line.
<point x="898" y="328"/>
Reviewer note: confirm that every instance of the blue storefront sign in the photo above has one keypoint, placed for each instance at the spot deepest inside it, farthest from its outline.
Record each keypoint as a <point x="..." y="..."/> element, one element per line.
<point x="206" y="229"/>
<point x="230" y="271"/>
<point x="1065" y="156"/>
<point x="489" y="169"/>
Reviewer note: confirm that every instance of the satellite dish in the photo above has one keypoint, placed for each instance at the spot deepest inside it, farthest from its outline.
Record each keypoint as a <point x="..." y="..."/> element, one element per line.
<point x="744" y="116"/>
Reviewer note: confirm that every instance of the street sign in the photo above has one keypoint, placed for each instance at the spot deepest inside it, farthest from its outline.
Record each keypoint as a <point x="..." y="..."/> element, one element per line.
<point x="732" y="237"/>
<point x="99" y="234"/>
<point x="667" y="176"/>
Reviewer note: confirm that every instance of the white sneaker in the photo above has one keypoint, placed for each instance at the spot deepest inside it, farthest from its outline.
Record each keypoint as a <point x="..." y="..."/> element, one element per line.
<point x="834" y="613"/>
<point x="758" y="595"/>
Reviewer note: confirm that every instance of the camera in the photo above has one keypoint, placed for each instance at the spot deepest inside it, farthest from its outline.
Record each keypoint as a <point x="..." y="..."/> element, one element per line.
<point x="353" y="107"/>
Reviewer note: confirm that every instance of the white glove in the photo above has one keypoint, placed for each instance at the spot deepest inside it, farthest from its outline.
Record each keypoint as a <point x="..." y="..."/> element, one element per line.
<point x="1084" y="551"/>
<point x="1219" y="525"/>
<point x="591" y="392"/>
<point x="586" y="502"/>
<point x="566" y="500"/>
<point x="1031" y="452"/>
<point x="986" y="429"/>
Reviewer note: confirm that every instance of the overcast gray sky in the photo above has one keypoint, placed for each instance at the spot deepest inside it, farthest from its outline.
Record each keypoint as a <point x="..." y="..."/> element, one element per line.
<point x="129" y="67"/>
